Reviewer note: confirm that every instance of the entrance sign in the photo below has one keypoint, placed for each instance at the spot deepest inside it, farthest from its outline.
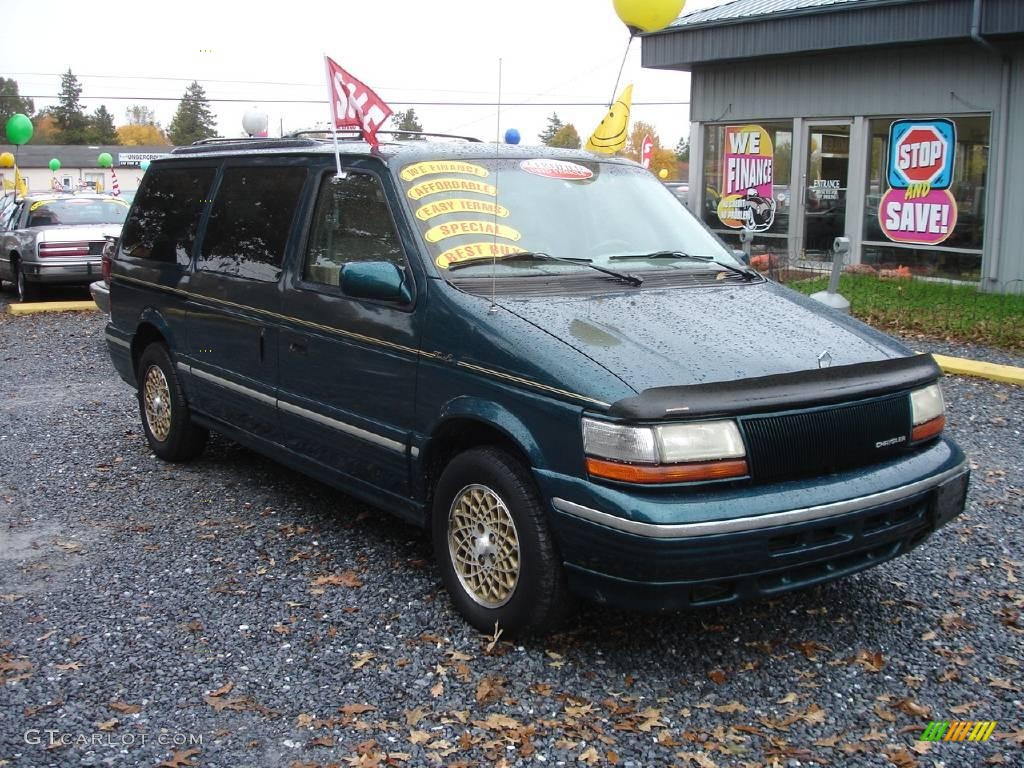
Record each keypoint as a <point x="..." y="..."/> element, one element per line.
<point x="919" y="208"/>
<point x="748" y="175"/>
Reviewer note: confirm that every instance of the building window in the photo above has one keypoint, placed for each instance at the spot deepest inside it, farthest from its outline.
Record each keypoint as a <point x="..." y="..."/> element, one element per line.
<point x="932" y="229"/>
<point x="734" y="161"/>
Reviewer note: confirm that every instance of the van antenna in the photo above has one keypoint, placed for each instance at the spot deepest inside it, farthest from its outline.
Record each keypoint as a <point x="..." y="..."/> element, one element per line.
<point x="497" y="173"/>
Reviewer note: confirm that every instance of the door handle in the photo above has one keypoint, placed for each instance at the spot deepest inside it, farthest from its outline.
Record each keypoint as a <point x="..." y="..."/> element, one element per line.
<point x="298" y="346"/>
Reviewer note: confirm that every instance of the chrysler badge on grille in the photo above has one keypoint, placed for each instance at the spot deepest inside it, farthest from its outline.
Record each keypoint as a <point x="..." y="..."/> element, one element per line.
<point x="824" y="359"/>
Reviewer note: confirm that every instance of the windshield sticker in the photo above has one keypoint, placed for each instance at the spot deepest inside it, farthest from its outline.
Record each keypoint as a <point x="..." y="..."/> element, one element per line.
<point x="748" y="172"/>
<point x="416" y="170"/>
<point x="79" y="201"/>
<point x="450" y="185"/>
<point x="456" y="228"/>
<point x="475" y="251"/>
<point x="460" y="205"/>
<point x="556" y="169"/>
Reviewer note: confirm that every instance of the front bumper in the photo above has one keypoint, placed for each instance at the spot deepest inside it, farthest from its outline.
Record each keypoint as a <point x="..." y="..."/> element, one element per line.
<point x="63" y="271"/>
<point x="632" y="561"/>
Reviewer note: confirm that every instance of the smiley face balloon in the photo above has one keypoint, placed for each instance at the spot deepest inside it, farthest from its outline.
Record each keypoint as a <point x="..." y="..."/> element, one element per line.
<point x="648" y="15"/>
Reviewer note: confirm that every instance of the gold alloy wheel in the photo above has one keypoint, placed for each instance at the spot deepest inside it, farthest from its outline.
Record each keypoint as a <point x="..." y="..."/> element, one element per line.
<point x="156" y="395"/>
<point x="484" y="546"/>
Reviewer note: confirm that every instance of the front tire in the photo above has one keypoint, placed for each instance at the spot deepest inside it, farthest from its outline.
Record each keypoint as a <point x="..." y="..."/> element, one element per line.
<point x="166" y="418"/>
<point x="497" y="557"/>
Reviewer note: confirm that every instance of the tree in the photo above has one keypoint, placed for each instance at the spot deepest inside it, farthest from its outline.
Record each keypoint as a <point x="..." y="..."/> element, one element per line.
<point x="194" y="119"/>
<point x="144" y="135"/>
<point x="72" y="124"/>
<point x="101" y="127"/>
<point x="636" y="138"/>
<point x="683" y="149"/>
<point x="566" y="137"/>
<point x="45" y="130"/>
<point x="406" y="121"/>
<point x="554" y="126"/>
<point x="11" y="103"/>
<point x="137" y="114"/>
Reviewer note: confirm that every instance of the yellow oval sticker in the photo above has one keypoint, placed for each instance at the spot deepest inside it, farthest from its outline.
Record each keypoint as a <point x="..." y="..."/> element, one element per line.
<point x="416" y="170"/>
<point x="456" y="228"/>
<point x="425" y="188"/>
<point x="460" y="205"/>
<point x="475" y="251"/>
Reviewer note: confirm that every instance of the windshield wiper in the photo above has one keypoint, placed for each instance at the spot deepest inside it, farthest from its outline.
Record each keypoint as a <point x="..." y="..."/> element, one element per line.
<point x="748" y="273"/>
<point x="541" y="256"/>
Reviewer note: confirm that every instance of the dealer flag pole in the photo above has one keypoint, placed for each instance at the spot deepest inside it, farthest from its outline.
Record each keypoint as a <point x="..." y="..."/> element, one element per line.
<point x="334" y="111"/>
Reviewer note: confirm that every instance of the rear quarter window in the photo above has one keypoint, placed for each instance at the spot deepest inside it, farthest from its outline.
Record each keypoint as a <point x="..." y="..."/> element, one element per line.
<point x="163" y="222"/>
<point x="250" y="221"/>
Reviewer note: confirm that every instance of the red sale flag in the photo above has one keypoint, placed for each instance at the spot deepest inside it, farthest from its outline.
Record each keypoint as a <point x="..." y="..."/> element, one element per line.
<point x="353" y="104"/>
<point x="646" y="151"/>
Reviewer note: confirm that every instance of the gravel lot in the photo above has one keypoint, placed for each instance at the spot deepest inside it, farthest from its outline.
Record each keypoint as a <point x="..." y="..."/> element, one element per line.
<point x="232" y="613"/>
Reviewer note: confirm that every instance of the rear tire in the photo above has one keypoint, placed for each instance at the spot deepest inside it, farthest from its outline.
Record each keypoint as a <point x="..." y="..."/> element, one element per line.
<point x="26" y="291"/>
<point x="166" y="417"/>
<point x="492" y="543"/>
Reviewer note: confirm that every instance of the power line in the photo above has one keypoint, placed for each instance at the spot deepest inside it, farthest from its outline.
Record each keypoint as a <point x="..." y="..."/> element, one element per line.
<point x="396" y="103"/>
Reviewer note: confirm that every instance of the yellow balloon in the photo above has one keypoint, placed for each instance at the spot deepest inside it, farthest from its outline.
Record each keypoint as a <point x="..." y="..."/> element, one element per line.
<point x="648" y="15"/>
<point x="663" y="173"/>
<point x="6" y="160"/>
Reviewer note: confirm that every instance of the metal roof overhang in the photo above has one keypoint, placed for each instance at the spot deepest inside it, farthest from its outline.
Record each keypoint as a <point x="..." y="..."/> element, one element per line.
<point x="873" y="23"/>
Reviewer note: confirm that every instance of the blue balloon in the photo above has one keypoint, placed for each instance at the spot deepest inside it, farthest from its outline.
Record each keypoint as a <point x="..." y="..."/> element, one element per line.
<point x="144" y="165"/>
<point x="512" y="136"/>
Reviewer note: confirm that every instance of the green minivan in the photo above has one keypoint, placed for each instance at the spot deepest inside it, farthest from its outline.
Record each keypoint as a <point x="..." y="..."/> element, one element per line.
<point x="538" y="355"/>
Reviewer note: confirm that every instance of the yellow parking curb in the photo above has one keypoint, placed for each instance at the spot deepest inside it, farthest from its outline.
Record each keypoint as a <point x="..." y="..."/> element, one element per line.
<point x="52" y="306"/>
<point x="1007" y="374"/>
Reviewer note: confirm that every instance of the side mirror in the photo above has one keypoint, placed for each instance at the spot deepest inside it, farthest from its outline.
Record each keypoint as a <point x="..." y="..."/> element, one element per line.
<point x="741" y="256"/>
<point x="379" y="280"/>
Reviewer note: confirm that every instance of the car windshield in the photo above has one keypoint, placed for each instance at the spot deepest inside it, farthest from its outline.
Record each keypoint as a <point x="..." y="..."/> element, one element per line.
<point x="82" y="210"/>
<point x="473" y="211"/>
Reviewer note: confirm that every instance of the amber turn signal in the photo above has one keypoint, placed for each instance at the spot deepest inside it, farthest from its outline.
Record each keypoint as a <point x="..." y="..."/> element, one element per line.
<point x="667" y="473"/>
<point x="929" y="429"/>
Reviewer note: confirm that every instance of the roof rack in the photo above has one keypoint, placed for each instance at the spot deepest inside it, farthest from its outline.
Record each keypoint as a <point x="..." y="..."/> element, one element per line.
<point x="353" y="134"/>
<point x="218" y="144"/>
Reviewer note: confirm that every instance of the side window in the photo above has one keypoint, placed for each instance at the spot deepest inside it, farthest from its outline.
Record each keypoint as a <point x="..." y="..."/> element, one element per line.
<point x="250" y="221"/>
<point x="163" y="222"/>
<point x="351" y="222"/>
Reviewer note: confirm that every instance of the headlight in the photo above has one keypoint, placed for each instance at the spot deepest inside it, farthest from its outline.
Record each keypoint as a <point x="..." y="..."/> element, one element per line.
<point x="929" y="412"/>
<point x="668" y="453"/>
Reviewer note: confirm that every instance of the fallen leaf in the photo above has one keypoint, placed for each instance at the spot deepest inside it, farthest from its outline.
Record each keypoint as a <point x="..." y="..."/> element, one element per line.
<point x="730" y="708"/>
<point x="356" y="709"/>
<point x="789" y="698"/>
<point x="1000" y="682"/>
<point x="123" y="708"/>
<point x="872" y="662"/>
<point x="108" y="725"/>
<point x="72" y="666"/>
<point x="697" y="758"/>
<point x="346" y="579"/>
<point x="437" y="690"/>
<point x="226" y="688"/>
<point x="717" y="676"/>
<point x="811" y="649"/>
<point x="963" y="709"/>
<point x="362" y="658"/>
<point x="830" y="741"/>
<point x="589" y="756"/>
<point x="413" y="716"/>
<point x="322" y="741"/>
<point x="490" y="689"/>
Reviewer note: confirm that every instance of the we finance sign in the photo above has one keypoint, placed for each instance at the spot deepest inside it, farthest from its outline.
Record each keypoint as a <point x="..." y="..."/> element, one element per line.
<point x="919" y="208"/>
<point x="748" y="175"/>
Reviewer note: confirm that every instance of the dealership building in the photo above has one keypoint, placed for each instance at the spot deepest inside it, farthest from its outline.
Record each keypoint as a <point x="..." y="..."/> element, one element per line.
<point x="79" y="166"/>
<point x="898" y="124"/>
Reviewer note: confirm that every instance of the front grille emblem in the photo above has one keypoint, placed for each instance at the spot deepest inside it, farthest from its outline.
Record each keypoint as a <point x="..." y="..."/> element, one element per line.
<point x="824" y="360"/>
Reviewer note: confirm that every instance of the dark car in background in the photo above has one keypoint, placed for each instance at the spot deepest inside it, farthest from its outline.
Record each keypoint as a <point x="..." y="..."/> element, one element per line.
<point x="536" y="354"/>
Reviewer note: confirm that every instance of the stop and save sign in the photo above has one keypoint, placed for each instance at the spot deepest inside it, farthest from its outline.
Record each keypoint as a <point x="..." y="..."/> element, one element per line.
<point x="919" y="208"/>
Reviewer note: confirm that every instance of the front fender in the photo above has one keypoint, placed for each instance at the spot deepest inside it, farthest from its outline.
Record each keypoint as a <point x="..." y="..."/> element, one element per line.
<point x="493" y="415"/>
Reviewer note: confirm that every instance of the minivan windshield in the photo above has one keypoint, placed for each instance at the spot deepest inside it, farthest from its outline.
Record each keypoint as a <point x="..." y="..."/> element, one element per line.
<point x="80" y="210"/>
<point x="609" y="214"/>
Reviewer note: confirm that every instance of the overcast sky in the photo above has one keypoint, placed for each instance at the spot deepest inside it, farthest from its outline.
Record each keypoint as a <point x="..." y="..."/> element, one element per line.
<point x="557" y="51"/>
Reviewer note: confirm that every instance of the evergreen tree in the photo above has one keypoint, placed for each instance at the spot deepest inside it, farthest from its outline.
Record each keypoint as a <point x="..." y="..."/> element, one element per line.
<point x="72" y="124"/>
<point x="406" y="121"/>
<point x="683" y="150"/>
<point x="101" y="128"/>
<point x="11" y="103"/>
<point x="194" y="119"/>
<point x="554" y="126"/>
